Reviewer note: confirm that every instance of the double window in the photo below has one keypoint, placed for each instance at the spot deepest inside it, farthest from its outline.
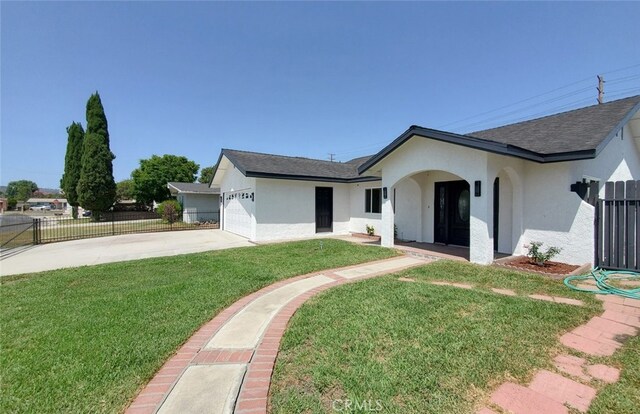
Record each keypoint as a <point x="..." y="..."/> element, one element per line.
<point x="373" y="200"/>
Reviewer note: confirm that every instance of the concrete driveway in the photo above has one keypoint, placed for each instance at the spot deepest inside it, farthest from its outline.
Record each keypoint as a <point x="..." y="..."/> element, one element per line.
<point x="115" y="249"/>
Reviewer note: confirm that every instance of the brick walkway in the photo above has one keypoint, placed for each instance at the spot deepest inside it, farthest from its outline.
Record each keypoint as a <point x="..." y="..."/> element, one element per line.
<point x="551" y="392"/>
<point x="202" y="377"/>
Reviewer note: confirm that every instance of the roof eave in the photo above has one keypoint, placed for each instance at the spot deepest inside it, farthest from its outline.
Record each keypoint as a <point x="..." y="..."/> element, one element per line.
<point x="475" y="143"/>
<point x="617" y="128"/>
<point x="257" y="174"/>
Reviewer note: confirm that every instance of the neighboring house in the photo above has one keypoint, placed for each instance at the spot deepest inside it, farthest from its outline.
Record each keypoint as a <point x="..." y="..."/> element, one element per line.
<point x="52" y="203"/>
<point x="4" y="205"/>
<point x="492" y="190"/>
<point x="199" y="201"/>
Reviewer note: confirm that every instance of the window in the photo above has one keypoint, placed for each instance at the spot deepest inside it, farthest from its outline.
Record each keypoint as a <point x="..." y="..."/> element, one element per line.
<point x="373" y="200"/>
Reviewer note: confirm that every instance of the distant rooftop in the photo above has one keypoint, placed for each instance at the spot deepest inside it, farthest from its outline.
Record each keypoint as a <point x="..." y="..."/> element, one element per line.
<point x="192" y="188"/>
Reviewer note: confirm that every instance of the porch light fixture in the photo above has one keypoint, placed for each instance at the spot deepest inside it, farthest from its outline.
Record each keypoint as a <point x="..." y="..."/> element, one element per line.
<point x="477" y="186"/>
<point x="384" y="192"/>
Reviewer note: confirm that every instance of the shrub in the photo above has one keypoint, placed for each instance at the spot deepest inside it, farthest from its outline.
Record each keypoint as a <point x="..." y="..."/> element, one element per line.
<point x="539" y="257"/>
<point x="170" y="210"/>
<point x="370" y="230"/>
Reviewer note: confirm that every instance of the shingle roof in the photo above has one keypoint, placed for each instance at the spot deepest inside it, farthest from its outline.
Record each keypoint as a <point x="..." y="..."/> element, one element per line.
<point x="359" y="161"/>
<point x="568" y="136"/>
<point x="572" y="135"/>
<point x="578" y="130"/>
<point x="253" y="164"/>
<point x="194" y="188"/>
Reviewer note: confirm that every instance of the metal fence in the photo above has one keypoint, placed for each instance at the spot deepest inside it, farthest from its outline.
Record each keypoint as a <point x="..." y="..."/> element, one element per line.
<point x="618" y="226"/>
<point x="25" y="230"/>
<point x="16" y="230"/>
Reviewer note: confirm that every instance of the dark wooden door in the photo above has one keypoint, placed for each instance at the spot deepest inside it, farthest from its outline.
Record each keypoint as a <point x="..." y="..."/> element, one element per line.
<point x="324" y="209"/>
<point x="452" y="206"/>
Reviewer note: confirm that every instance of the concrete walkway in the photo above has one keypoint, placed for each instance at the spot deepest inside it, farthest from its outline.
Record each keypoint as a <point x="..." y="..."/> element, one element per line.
<point x="115" y="249"/>
<point x="226" y="366"/>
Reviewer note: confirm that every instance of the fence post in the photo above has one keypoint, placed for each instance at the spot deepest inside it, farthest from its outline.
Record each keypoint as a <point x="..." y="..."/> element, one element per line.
<point x="597" y="233"/>
<point x="36" y="231"/>
<point x="113" y="225"/>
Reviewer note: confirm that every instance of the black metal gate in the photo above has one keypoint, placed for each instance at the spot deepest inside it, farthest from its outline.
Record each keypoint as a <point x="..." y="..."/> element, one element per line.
<point x="617" y="226"/>
<point x="16" y="230"/>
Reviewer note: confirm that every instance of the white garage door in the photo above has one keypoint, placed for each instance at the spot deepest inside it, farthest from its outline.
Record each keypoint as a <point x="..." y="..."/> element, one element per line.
<point x="238" y="210"/>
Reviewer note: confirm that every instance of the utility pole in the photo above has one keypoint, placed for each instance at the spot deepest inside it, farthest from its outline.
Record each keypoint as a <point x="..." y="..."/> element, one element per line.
<point x="332" y="157"/>
<point x="600" y="89"/>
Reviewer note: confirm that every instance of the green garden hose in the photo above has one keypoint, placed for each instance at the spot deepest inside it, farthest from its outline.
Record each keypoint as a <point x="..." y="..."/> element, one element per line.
<point x="602" y="287"/>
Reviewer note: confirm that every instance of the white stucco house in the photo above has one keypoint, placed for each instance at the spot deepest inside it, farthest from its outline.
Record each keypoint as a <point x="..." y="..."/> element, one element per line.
<point x="492" y="190"/>
<point x="199" y="202"/>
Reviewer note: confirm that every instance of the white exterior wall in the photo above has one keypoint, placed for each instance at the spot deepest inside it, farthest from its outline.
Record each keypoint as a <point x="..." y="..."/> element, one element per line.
<point x="558" y="217"/>
<point x="286" y="209"/>
<point x="358" y="218"/>
<point x="419" y="155"/>
<point x="535" y="201"/>
<point x="233" y="180"/>
<point x="199" y="207"/>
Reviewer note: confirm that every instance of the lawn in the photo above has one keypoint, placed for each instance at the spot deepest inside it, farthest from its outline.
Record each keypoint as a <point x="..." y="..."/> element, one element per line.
<point x="623" y="397"/>
<point x="414" y="347"/>
<point x="87" y="339"/>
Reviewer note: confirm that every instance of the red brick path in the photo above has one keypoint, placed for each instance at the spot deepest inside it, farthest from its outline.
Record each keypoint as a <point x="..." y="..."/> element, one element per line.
<point x="552" y="393"/>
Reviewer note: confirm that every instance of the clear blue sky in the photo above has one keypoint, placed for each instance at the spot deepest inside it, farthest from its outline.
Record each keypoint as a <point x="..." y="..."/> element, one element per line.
<point x="302" y="79"/>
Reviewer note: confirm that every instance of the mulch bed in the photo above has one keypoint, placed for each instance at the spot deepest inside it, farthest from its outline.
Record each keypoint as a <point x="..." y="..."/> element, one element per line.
<point x="553" y="268"/>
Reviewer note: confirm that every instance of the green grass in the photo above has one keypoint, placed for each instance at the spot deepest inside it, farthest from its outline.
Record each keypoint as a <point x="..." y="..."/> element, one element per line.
<point x="487" y="277"/>
<point x="87" y="339"/>
<point x="623" y="397"/>
<point x="420" y="348"/>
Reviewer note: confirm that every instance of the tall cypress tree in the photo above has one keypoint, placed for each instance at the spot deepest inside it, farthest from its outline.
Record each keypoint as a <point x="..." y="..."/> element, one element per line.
<point x="96" y="186"/>
<point x="72" y="165"/>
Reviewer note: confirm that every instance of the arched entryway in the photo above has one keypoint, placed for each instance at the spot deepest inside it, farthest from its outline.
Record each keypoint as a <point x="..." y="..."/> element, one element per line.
<point x="507" y="201"/>
<point x="433" y="207"/>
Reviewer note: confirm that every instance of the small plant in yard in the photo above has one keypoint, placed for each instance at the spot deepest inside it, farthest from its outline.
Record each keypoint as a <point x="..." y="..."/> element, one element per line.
<point x="539" y="257"/>
<point x="370" y="230"/>
<point x="170" y="210"/>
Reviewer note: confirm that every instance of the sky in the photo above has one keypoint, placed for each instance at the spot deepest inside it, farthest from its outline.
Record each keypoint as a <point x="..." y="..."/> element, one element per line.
<point x="304" y="79"/>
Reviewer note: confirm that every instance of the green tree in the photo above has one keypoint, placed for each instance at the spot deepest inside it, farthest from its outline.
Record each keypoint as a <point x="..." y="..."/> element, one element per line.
<point x="72" y="166"/>
<point x="124" y="190"/>
<point x="151" y="178"/>
<point x="21" y="190"/>
<point x="206" y="174"/>
<point x="96" y="186"/>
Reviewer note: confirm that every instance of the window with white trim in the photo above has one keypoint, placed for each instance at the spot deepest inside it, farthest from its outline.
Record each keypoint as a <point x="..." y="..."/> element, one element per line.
<point x="373" y="200"/>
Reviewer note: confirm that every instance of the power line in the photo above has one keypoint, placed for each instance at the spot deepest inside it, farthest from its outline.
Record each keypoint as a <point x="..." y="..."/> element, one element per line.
<point x="622" y="69"/>
<point x="539" y="95"/>
<point x="625" y="79"/>
<point x="548" y="111"/>
<point x="551" y="100"/>
<point x="515" y="103"/>
<point x="620" y="94"/>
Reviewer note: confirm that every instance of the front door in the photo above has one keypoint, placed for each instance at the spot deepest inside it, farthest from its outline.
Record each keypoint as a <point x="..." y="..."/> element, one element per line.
<point x="324" y="209"/>
<point x="451" y="220"/>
